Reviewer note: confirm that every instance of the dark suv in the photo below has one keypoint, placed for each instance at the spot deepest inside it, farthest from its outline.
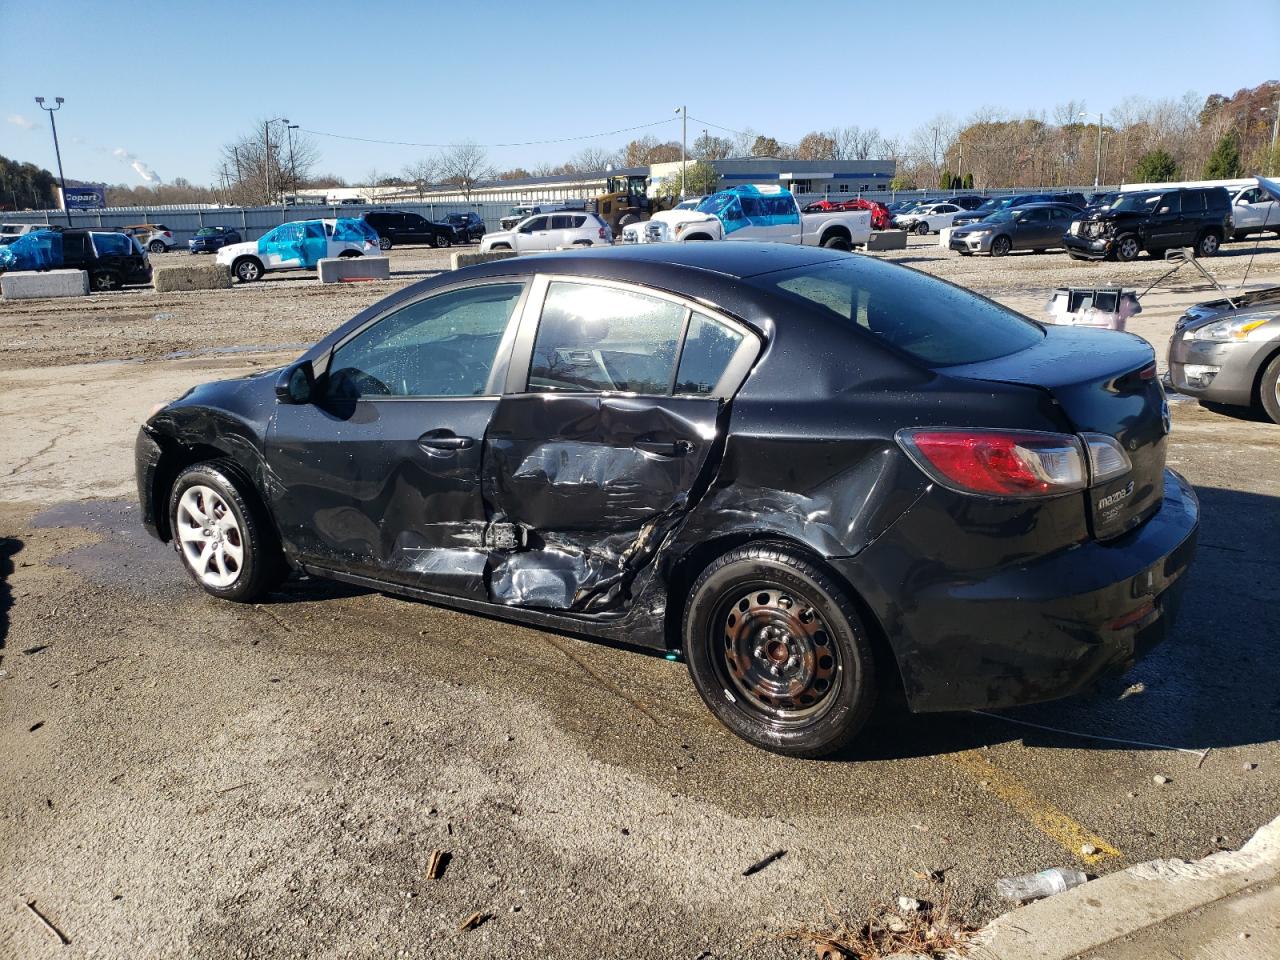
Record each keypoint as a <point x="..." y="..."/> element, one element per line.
<point x="110" y="259"/>
<point x="396" y="226"/>
<point x="467" y="227"/>
<point x="1153" y="220"/>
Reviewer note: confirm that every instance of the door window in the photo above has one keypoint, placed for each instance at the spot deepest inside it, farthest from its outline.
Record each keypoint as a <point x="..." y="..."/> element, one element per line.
<point x="1193" y="202"/>
<point x="562" y="223"/>
<point x="1037" y="216"/>
<point x="596" y="338"/>
<point x="443" y="346"/>
<point x="1170" y="203"/>
<point x="708" y="347"/>
<point x="537" y="223"/>
<point x="112" y="244"/>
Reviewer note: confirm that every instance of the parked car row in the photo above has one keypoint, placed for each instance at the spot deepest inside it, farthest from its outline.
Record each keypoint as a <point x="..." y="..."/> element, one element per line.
<point x="111" y="259"/>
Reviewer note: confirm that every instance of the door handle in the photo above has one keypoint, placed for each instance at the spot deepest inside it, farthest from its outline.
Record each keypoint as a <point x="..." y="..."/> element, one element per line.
<point x="436" y="440"/>
<point x="677" y="448"/>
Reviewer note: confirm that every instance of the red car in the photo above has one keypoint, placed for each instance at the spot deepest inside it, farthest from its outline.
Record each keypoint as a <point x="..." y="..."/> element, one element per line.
<point x="880" y="215"/>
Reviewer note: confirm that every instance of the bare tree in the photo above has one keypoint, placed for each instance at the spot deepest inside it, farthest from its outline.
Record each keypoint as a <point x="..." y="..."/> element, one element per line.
<point x="464" y="165"/>
<point x="260" y="166"/>
<point x="710" y="147"/>
<point x="854" y="143"/>
<point x="591" y="159"/>
<point x="421" y="173"/>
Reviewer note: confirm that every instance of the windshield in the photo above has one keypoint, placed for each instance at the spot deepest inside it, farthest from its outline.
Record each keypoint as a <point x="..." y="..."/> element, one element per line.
<point x="935" y="322"/>
<point x="1134" y="203"/>
<point x="1002" y="216"/>
<point x="206" y="232"/>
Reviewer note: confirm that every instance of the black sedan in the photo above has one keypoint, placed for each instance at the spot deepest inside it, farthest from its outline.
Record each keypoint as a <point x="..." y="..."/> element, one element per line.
<point x="811" y="474"/>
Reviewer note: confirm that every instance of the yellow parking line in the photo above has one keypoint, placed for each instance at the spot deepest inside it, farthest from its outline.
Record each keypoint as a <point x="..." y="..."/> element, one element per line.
<point x="1044" y="816"/>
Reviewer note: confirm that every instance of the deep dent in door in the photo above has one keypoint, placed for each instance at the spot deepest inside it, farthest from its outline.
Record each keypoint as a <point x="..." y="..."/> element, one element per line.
<point x="579" y="506"/>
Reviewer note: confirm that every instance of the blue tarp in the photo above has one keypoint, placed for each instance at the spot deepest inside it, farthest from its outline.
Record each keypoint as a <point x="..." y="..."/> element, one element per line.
<point x="751" y="206"/>
<point x="41" y="250"/>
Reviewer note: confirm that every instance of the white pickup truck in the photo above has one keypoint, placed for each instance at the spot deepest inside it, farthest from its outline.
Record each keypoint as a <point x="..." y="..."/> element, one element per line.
<point x="754" y="212"/>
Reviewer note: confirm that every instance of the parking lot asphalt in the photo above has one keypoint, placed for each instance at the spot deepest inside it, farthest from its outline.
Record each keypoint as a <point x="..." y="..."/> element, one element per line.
<point x="185" y="777"/>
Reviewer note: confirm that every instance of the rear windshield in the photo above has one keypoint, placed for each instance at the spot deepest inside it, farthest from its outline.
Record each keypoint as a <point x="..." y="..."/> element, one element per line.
<point x="935" y="322"/>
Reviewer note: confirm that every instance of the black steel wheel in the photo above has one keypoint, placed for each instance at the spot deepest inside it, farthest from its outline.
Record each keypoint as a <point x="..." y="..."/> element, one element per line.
<point x="777" y="651"/>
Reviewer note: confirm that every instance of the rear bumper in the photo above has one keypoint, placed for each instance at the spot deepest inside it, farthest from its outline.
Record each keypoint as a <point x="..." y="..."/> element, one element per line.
<point x="1028" y="631"/>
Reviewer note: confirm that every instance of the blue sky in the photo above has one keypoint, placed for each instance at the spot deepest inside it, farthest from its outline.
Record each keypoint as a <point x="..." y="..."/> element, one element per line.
<point x="165" y="84"/>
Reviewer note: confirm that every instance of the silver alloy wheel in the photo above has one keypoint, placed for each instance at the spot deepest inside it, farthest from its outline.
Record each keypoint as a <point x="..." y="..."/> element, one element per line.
<point x="1128" y="248"/>
<point x="384" y="243"/>
<point x="1209" y="245"/>
<point x="248" y="271"/>
<point x="210" y="536"/>
<point x="156" y="246"/>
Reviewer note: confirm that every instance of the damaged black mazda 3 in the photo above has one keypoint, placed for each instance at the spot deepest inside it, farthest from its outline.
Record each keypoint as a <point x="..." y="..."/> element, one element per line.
<point x="814" y="474"/>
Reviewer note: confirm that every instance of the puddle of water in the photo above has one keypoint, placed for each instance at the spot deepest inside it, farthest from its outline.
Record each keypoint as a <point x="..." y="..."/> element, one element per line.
<point x="126" y="556"/>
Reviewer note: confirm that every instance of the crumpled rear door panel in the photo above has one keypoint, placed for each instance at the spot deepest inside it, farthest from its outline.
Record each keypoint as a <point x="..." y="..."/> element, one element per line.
<point x="593" y="483"/>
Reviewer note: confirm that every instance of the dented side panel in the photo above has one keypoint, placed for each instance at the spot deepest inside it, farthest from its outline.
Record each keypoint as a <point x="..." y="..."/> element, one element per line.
<point x="596" y="482"/>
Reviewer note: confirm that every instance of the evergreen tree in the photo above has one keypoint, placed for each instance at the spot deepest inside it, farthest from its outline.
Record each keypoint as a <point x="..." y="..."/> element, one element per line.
<point x="1158" y="166"/>
<point x="1224" y="162"/>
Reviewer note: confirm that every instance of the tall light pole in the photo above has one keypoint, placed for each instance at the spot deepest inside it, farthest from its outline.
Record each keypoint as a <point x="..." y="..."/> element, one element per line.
<point x="684" y="136"/>
<point x="1097" y="163"/>
<point x="293" y="167"/>
<point x="62" y="181"/>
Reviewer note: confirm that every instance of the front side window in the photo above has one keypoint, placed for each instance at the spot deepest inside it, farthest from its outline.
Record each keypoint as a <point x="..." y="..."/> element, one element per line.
<point x="1170" y="203"/>
<point x="537" y="223"/>
<point x="443" y="346"/>
<point x="112" y="244"/>
<point x="932" y="321"/>
<point x="597" y="338"/>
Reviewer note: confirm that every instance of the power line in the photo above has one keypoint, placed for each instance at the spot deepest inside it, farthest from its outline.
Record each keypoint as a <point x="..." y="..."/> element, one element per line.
<point x="524" y="143"/>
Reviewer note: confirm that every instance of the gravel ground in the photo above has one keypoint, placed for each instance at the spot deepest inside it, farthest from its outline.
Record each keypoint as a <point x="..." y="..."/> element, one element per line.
<point x="183" y="777"/>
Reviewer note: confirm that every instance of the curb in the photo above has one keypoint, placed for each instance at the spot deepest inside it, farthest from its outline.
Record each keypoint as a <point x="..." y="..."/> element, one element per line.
<point x="1120" y="904"/>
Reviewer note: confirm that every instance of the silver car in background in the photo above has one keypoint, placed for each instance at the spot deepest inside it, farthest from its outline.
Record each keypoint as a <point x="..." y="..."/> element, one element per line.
<point x="1228" y="351"/>
<point x="550" y="231"/>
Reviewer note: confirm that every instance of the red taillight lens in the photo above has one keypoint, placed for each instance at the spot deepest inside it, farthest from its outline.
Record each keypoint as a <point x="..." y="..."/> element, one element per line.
<point x="999" y="463"/>
<point x="602" y="233"/>
<point x="168" y="233"/>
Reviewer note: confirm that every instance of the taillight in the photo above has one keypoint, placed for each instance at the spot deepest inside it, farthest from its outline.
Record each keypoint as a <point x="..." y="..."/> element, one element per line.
<point x="999" y="463"/>
<point x="1107" y="459"/>
<point x="168" y="233"/>
<point x="602" y="233"/>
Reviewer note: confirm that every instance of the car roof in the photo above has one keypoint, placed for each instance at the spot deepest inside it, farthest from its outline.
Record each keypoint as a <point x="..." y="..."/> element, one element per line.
<point x="734" y="259"/>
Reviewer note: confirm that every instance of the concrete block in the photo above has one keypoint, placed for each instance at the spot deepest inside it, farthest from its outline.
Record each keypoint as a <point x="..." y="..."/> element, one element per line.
<point x="887" y="240"/>
<point x="944" y="238"/>
<point x="460" y="260"/>
<point x="196" y="276"/>
<point x="33" y="284"/>
<point x="353" y="269"/>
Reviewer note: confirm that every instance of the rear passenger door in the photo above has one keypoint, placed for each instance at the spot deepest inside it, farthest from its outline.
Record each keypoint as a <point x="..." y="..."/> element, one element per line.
<point x="616" y="405"/>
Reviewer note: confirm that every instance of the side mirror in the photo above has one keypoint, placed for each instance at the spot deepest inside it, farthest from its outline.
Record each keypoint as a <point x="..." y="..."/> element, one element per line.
<point x="295" y="383"/>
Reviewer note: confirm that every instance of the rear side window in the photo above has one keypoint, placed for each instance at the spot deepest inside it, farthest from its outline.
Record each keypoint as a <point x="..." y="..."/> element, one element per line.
<point x="561" y="222"/>
<point x="597" y="338"/>
<point x="579" y="222"/>
<point x="708" y="348"/>
<point x="932" y="321"/>
<point x="1193" y="201"/>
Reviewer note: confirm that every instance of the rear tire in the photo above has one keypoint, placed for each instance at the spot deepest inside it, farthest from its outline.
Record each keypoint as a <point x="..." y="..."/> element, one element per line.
<point x="1269" y="389"/>
<point x="385" y="243"/>
<point x="440" y="241"/>
<point x="349" y="254"/>
<point x="222" y="533"/>
<point x="155" y="246"/>
<point x="778" y="653"/>
<point x="837" y="242"/>
<point x="501" y="246"/>
<point x="1208" y="244"/>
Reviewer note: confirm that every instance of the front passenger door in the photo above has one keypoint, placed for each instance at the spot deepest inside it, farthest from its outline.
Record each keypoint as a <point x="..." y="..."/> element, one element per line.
<point x="533" y="234"/>
<point x="379" y="476"/>
<point x="616" y="406"/>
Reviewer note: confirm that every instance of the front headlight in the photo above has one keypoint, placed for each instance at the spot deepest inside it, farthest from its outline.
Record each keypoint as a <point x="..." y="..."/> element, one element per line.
<point x="1240" y="327"/>
<point x="980" y="233"/>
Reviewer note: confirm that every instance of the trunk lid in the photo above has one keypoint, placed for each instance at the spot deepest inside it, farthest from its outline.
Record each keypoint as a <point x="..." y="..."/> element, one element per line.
<point x="1105" y="383"/>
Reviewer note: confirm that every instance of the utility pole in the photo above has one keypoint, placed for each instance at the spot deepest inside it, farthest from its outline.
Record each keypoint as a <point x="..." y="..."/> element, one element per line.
<point x="62" y="181"/>
<point x="1275" y="131"/>
<point x="684" y="137"/>
<point x="266" y="155"/>
<point x="293" y="167"/>
<point x="1097" y="166"/>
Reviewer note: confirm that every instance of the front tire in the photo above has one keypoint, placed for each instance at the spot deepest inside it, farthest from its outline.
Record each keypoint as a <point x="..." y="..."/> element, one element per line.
<point x="1269" y="389"/>
<point x="247" y="269"/>
<point x="777" y="651"/>
<point x="921" y="229"/>
<point x="1000" y="246"/>
<point x="1128" y="248"/>
<point x="225" y="540"/>
<point x="105" y="281"/>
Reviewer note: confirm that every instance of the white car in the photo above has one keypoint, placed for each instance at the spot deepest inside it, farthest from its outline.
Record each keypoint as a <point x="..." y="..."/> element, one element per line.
<point x="928" y="217"/>
<point x="10" y="232"/>
<point x="155" y="237"/>
<point x="300" y="244"/>
<point x="1253" y="211"/>
<point x="755" y="212"/>
<point x="547" y="231"/>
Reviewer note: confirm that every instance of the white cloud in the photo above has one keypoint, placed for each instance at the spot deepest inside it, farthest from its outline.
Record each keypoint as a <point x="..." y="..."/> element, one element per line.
<point x="18" y="120"/>
<point x="145" y="172"/>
